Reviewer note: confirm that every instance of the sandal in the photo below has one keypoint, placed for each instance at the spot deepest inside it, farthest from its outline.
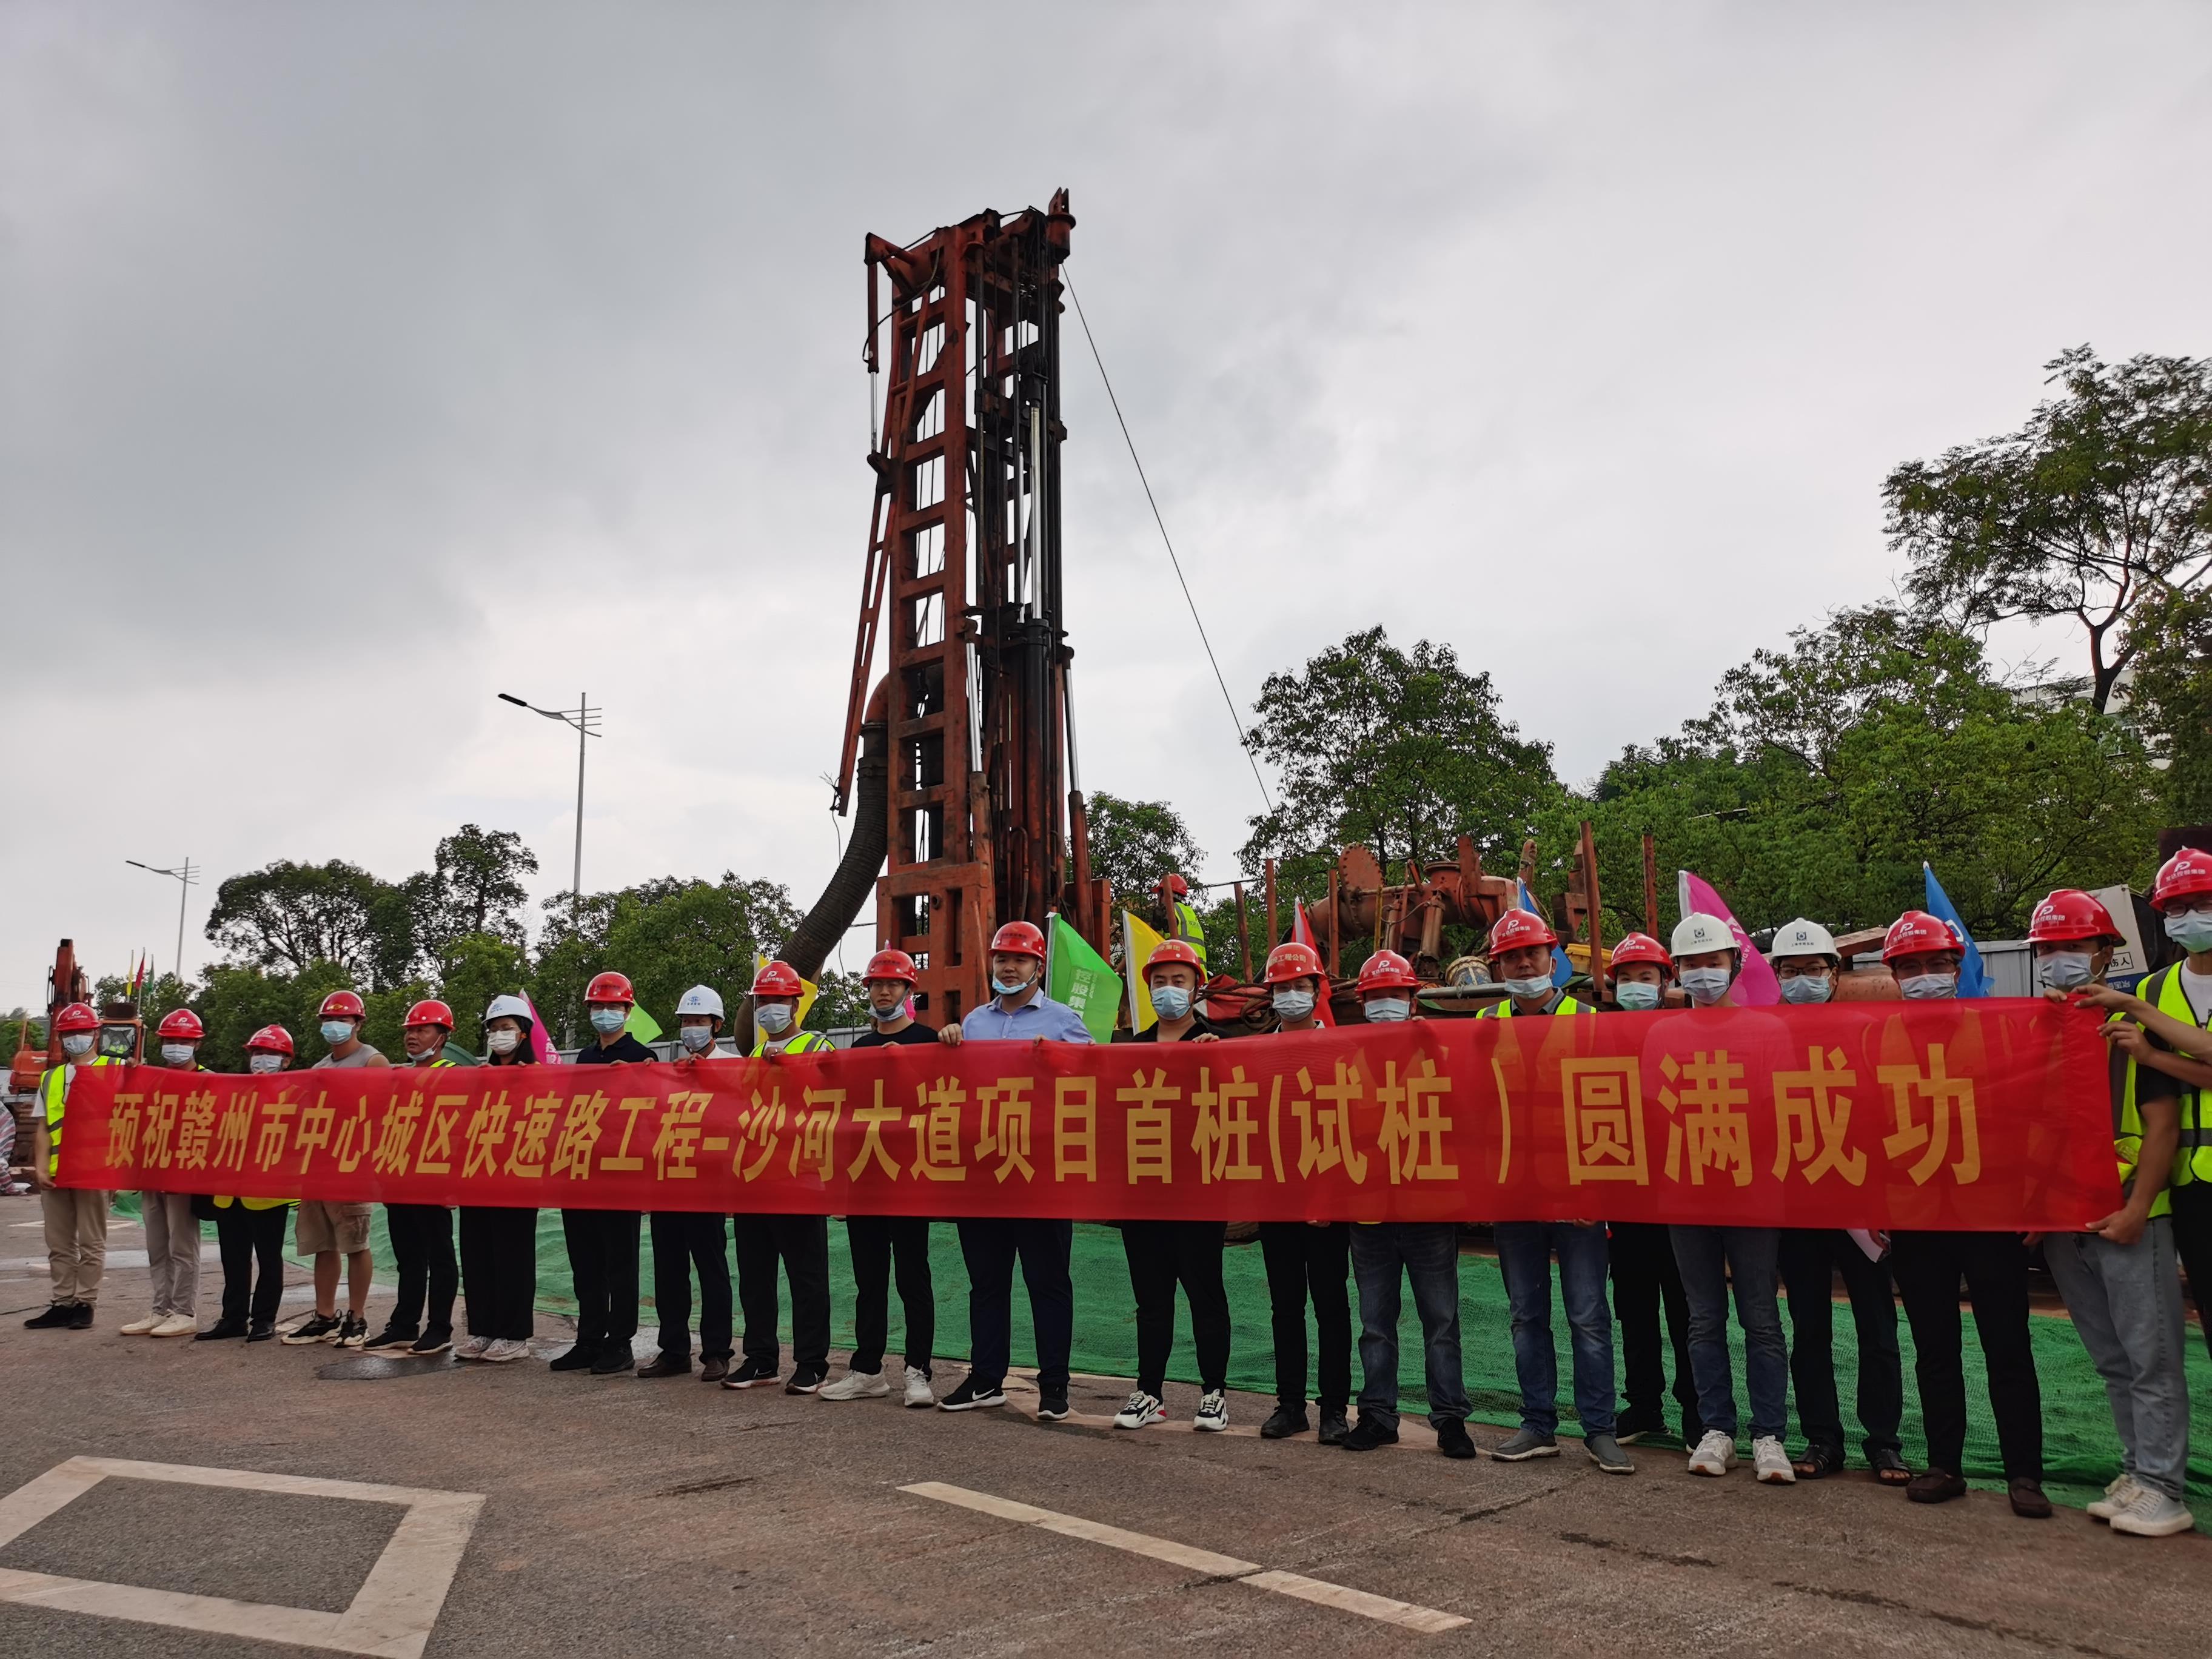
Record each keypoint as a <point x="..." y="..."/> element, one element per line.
<point x="1889" y="1466"/>
<point x="1815" y="1462"/>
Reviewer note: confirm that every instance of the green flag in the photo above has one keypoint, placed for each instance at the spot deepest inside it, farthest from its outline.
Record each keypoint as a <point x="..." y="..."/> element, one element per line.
<point x="642" y="1025"/>
<point x="1078" y="976"/>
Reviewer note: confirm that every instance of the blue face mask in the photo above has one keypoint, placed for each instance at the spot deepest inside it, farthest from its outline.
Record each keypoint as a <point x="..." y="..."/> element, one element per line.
<point x="1292" y="1004"/>
<point x="1008" y="988"/>
<point x="1635" y="996"/>
<point x="1805" y="988"/>
<point x="1387" y="1011"/>
<point x="1171" y="1001"/>
<point x="336" y="1031"/>
<point x="2191" y="930"/>
<point x="1528" y="990"/>
<point x="774" y="1017"/>
<point x="1706" y="986"/>
<point x="607" y="1021"/>
<point x="2063" y="970"/>
<point x="1928" y="987"/>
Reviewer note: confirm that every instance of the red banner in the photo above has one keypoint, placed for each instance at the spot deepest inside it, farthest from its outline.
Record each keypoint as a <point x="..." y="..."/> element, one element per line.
<point x="1974" y="1115"/>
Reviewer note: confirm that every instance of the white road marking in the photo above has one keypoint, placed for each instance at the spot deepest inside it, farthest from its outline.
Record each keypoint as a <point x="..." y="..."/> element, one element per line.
<point x="1381" y="1607"/>
<point x="390" y="1616"/>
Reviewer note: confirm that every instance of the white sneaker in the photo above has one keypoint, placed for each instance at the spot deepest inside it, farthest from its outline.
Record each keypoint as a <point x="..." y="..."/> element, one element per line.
<point x="475" y="1348"/>
<point x="1140" y="1409"/>
<point x="1212" y="1412"/>
<point x="919" y="1393"/>
<point x="2154" y="1514"/>
<point x="140" y="1327"/>
<point x="2118" y="1496"/>
<point x="504" y="1349"/>
<point x="177" y="1324"/>
<point x="1716" y="1454"/>
<point x="855" y="1385"/>
<point x="1772" y="1462"/>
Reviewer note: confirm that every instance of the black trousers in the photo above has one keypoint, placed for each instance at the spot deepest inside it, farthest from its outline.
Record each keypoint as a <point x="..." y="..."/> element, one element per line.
<point x="244" y="1238"/>
<point x="423" y="1242"/>
<point x="802" y="1242"/>
<point x="990" y="1249"/>
<point x="499" y="1265"/>
<point x="1645" y="1279"/>
<point x="1809" y="1257"/>
<point x="1929" y="1266"/>
<point x="1314" y="1262"/>
<point x="603" y="1262"/>
<point x="682" y="1240"/>
<point x="1163" y="1255"/>
<point x="2192" y="1241"/>
<point x="878" y="1241"/>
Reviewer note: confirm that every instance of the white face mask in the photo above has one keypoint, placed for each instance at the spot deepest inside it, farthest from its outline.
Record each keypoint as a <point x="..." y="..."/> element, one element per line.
<point x="2062" y="970"/>
<point x="1928" y="987"/>
<point x="1528" y="990"/>
<point x="1706" y="986"/>
<point x="77" y="1042"/>
<point x="260" y="1064"/>
<point x="773" y="1018"/>
<point x="696" y="1039"/>
<point x="886" y="1011"/>
<point x="1806" y="987"/>
<point x="502" y="1042"/>
<point x="1635" y="995"/>
<point x="2191" y="930"/>
<point x="1389" y="1011"/>
<point x="1292" y="1004"/>
<point x="177" y="1054"/>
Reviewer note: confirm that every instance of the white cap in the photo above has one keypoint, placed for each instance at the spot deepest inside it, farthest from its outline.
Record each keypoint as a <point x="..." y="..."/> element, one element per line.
<point x="1697" y="932"/>
<point x="701" y="999"/>
<point x="1801" y="938"/>
<point x="508" y="1007"/>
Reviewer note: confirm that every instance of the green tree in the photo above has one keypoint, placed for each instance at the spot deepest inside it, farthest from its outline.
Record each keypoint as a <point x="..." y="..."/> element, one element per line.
<point x="478" y="967"/>
<point x="2100" y="504"/>
<point x="2170" y="697"/>
<point x="292" y="916"/>
<point x="1134" y="843"/>
<point x="474" y="887"/>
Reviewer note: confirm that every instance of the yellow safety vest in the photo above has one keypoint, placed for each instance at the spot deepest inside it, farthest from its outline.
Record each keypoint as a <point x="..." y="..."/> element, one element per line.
<point x="223" y="1201"/>
<point x="2127" y="1141"/>
<point x="1189" y="932"/>
<point x="55" y="1087"/>
<point x="804" y="1043"/>
<point x="1503" y="1009"/>
<point x="2192" y="1158"/>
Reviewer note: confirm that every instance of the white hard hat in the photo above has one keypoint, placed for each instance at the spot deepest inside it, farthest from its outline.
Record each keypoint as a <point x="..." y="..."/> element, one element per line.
<point x="701" y="999"/>
<point x="1801" y="938"/>
<point x="1697" y="933"/>
<point x="508" y="1007"/>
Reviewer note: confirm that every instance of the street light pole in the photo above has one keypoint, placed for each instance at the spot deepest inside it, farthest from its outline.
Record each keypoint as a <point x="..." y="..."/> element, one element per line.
<point x="187" y="876"/>
<point x="585" y="720"/>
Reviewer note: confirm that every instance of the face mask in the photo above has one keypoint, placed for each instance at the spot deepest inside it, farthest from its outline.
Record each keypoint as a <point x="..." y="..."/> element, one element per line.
<point x="885" y="1012"/>
<point x="336" y="1031"/>
<point x="773" y="1018"/>
<point x="1928" y="987"/>
<point x="176" y="1054"/>
<point x="1635" y="995"/>
<point x="77" y="1043"/>
<point x="1293" y="1005"/>
<point x="260" y="1064"/>
<point x="2191" y="930"/>
<point x="1172" y="1001"/>
<point x="696" y="1039"/>
<point x="1387" y="1011"/>
<point x="607" y="1021"/>
<point x="1528" y="990"/>
<point x="429" y="1051"/>
<point x="1706" y="986"/>
<point x="1805" y="988"/>
<point x="502" y="1042"/>
<point x="2063" y="970"/>
<point x="1008" y="988"/>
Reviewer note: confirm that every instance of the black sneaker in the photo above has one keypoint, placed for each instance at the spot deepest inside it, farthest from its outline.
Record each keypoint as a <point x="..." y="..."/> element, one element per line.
<point x="1284" y="1422"/>
<point x="613" y="1360"/>
<point x="316" y="1328"/>
<point x="969" y="1397"/>
<point x="753" y="1374"/>
<point x="1364" y="1436"/>
<point x="80" y="1316"/>
<point x="1638" y="1421"/>
<point x="1334" y="1428"/>
<point x="352" y="1332"/>
<point x="261" y="1330"/>
<point x="436" y="1340"/>
<point x="578" y="1358"/>
<point x="1052" y="1407"/>
<point x="222" y="1330"/>
<point x="806" y="1379"/>
<point x="57" y="1317"/>
<point x="1452" y="1438"/>
<point x="392" y="1336"/>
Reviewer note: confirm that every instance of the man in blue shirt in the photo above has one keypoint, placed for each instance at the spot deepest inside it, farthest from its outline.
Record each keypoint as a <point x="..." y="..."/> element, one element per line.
<point x="1019" y="1011"/>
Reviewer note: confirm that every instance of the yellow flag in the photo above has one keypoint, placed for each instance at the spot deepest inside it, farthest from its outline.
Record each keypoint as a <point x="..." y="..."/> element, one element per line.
<point x="807" y="992"/>
<point x="1139" y="941"/>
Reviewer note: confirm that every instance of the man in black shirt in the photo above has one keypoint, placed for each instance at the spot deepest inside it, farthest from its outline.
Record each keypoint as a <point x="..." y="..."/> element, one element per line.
<point x="602" y="1243"/>
<point x="878" y="1240"/>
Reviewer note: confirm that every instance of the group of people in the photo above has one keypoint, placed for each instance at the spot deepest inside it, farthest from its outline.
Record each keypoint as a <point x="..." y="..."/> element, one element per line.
<point x="2120" y="1279"/>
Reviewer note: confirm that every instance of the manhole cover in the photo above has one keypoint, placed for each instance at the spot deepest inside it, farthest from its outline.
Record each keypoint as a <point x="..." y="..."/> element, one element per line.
<point x="373" y="1367"/>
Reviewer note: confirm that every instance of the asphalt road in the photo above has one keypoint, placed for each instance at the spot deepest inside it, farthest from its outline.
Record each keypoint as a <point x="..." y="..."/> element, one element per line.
<point x="627" y="1517"/>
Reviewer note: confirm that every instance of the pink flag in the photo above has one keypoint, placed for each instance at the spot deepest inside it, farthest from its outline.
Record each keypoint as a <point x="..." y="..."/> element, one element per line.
<point x="1754" y="987"/>
<point x="542" y="1051"/>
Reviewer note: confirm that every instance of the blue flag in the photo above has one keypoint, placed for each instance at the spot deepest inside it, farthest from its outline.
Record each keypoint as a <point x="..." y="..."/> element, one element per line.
<point x="1562" y="969"/>
<point x="1971" y="980"/>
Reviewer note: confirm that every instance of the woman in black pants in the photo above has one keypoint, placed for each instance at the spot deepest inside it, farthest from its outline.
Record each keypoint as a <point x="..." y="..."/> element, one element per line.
<point x="499" y="1247"/>
<point x="250" y="1229"/>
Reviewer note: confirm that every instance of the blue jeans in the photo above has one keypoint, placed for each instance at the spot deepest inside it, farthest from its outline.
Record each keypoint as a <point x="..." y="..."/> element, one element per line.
<point x="1711" y="1258"/>
<point x="1525" y="1249"/>
<point x="1427" y="1253"/>
<point x="2126" y="1303"/>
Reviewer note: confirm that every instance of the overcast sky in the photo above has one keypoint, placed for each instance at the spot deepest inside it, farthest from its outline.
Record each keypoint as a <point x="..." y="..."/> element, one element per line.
<point x="357" y="363"/>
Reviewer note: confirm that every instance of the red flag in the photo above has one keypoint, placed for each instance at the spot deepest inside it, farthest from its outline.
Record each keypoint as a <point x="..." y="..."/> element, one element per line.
<point x="1302" y="933"/>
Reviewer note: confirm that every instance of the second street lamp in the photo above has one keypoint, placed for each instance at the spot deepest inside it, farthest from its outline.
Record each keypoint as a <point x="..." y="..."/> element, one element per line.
<point x="187" y="876"/>
<point x="585" y="720"/>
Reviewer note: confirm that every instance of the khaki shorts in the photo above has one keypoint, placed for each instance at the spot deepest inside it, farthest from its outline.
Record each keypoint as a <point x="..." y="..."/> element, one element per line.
<point x="323" y="1225"/>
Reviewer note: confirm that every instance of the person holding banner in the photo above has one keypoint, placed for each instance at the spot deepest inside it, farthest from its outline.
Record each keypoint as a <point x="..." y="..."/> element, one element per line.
<point x="2119" y="1278"/>
<point x="1306" y="1260"/>
<point x="878" y="1241"/>
<point x="685" y="1240"/>
<point x="76" y="1218"/>
<point x="250" y="1230"/>
<point x="328" y="1230"/>
<point x="499" y="1247"/>
<point x="1715" y="1261"/>
<point x="421" y="1234"/>
<point x="602" y="1243"/>
<point x="1019" y="1012"/>
<point x="1161" y="1253"/>
<point x="1924" y="955"/>
<point x="172" y="1231"/>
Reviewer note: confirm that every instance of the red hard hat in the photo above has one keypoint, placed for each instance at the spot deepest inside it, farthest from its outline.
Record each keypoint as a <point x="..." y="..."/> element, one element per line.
<point x="182" y="1024"/>
<point x="1386" y="970"/>
<point x="76" y="1016"/>
<point x="2068" y="914"/>
<point x="890" y="965"/>
<point x="1018" y="939"/>
<point x="610" y="987"/>
<point x="342" y="1004"/>
<point x="430" y="1011"/>
<point x="1175" y="885"/>
<point x="1639" y="947"/>
<point x="778" y="979"/>
<point x="1293" y="960"/>
<point x="1915" y="932"/>
<point x="2187" y="874"/>
<point x="1517" y="929"/>
<point x="1172" y="952"/>
<point x="274" y="1038"/>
